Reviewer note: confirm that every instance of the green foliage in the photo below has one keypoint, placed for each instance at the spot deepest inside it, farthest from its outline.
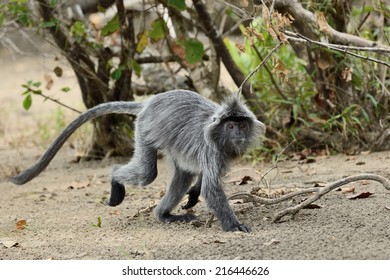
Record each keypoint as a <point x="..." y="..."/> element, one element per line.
<point x="19" y="10"/>
<point x="288" y="91"/>
<point x="158" y="30"/>
<point x="99" y="222"/>
<point x="31" y="88"/>
<point x="194" y="50"/>
<point x="136" y="67"/>
<point x="283" y="96"/>
<point x="179" y="5"/>
<point x="78" y="31"/>
<point x="111" y="26"/>
<point x="1" y="18"/>
<point x="142" y="42"/>
<point x="117" y="73"/>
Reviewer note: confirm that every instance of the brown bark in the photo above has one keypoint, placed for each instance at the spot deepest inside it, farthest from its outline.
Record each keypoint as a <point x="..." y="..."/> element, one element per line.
<point x="108" y="136"/>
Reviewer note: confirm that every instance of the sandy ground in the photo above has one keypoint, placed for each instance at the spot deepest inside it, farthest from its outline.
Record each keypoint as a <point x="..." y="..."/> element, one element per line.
<point x="60" y="214"/>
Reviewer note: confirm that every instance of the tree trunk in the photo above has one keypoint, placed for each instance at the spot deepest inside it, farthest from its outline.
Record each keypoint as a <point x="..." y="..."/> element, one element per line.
<point x="112" y="134"/>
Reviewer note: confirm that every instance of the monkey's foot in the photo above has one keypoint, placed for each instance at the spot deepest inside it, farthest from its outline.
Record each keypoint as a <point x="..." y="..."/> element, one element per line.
<point x="192" y="201"/>
<point x="169" y="218"/>
<point x="117" y="194"/>
<point x="239" y="227"/>
<point x="193" y="195"/>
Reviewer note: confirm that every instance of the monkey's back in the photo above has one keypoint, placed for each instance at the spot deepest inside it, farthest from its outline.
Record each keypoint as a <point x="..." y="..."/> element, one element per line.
<point x="173" y="121"/>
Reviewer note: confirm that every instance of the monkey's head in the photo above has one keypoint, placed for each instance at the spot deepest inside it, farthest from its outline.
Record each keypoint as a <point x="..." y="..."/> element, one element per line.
<point x="233" y="128"/>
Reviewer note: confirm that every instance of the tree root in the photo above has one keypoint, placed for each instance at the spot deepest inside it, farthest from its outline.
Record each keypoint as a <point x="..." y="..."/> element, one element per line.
<point x="317" y="192"/>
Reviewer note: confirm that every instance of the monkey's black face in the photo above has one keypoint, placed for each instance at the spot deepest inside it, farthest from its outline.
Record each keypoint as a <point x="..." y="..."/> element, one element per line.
<point x="236" y="136"/>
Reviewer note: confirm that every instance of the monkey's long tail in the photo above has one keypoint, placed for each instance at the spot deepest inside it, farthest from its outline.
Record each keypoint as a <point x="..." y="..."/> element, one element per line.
<point x="116" y="107"/>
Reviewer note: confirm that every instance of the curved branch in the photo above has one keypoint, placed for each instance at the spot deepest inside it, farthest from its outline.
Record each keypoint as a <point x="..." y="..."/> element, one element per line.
<point x="317" y="192"/>
<point x="327" y="188"/>
<point x="305" y="19"/>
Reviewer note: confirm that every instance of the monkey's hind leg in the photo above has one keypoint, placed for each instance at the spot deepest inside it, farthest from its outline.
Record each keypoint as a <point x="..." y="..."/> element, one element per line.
<point x="194" y="193"/>
<point x="140" y="171"/>
<point x="176" y="190"/>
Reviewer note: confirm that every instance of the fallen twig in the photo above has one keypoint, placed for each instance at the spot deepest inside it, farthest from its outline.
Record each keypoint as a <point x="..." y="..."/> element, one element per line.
<point x="317" y="192"/>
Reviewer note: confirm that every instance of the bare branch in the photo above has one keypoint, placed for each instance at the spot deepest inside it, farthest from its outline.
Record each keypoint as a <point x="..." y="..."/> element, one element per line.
<point x="341" y="48"/>
<point x="258" y="66"/>
<point x="305" y="18"/>
<point x="317" y="192"/>
<point x="327" y="188"/>
<point x="38" y="92"/>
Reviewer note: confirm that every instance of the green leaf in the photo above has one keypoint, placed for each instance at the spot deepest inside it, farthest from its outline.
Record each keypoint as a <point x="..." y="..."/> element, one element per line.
<point x="116" y="74"/>
<point x="111" y="26"/>
<point x="136" y="67"/>
<point x="194" y="51"/>
<point x="37" y="92"/>
<point x="179" y="5"/>
<point x="158" y="29"/>
<point x="51" y="23"/>
<point x="24" y="19"/>
<point x="78" y="31"/>
<point x="65" y="89"/>
<point x="27" y="102"/>
<point x="53" y="3"/>
<point x="1" y="19"/>
<point x="37" y="84"/>
<point x="142" y="41"/>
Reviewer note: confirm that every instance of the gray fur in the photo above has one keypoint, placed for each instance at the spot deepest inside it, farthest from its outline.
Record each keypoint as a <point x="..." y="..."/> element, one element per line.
<point x="189" y="129"/>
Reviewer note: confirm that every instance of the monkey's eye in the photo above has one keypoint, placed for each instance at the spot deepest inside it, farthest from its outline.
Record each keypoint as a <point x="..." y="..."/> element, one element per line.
<point x="230" y="126"/>
<point x="243" y="126"/>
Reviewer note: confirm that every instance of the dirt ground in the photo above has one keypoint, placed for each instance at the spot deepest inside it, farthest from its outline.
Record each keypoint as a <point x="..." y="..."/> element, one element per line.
<point x="60" y="214"/>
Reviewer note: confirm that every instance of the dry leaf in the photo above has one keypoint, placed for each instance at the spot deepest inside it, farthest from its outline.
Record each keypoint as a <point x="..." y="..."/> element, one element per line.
<point x="323" y="63"/>
<point x="271" y="242"/>
<point x="280" y="70"/>
<point x="244" y="180"/>
<point x="244" y="3"/>
<point x="360" y="195"/>
<point x="346" y="74"/>
<point x="115" y="212"/>
<point x="179" y="51"/>
<point x="257" y="34"/>
<point x="387" y="207"/>
<point x="197" y="223"/>
<point x="241" y="181"/>
<point x="313" y="206"/>
<point x="240" y="48"/>
<point x="9" y="244"/>
<point x="322" y="23"/>
<point x="58" y="71"/>
<point x="49" y="81"/>
<point x="348" y="190"/>
<point x="79" y="185"/>
<point x="21" y="224"/>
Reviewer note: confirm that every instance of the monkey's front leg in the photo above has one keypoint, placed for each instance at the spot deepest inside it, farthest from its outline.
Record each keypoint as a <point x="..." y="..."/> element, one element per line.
<point x="176" y="190"/>
<point x="216" y="200"/>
